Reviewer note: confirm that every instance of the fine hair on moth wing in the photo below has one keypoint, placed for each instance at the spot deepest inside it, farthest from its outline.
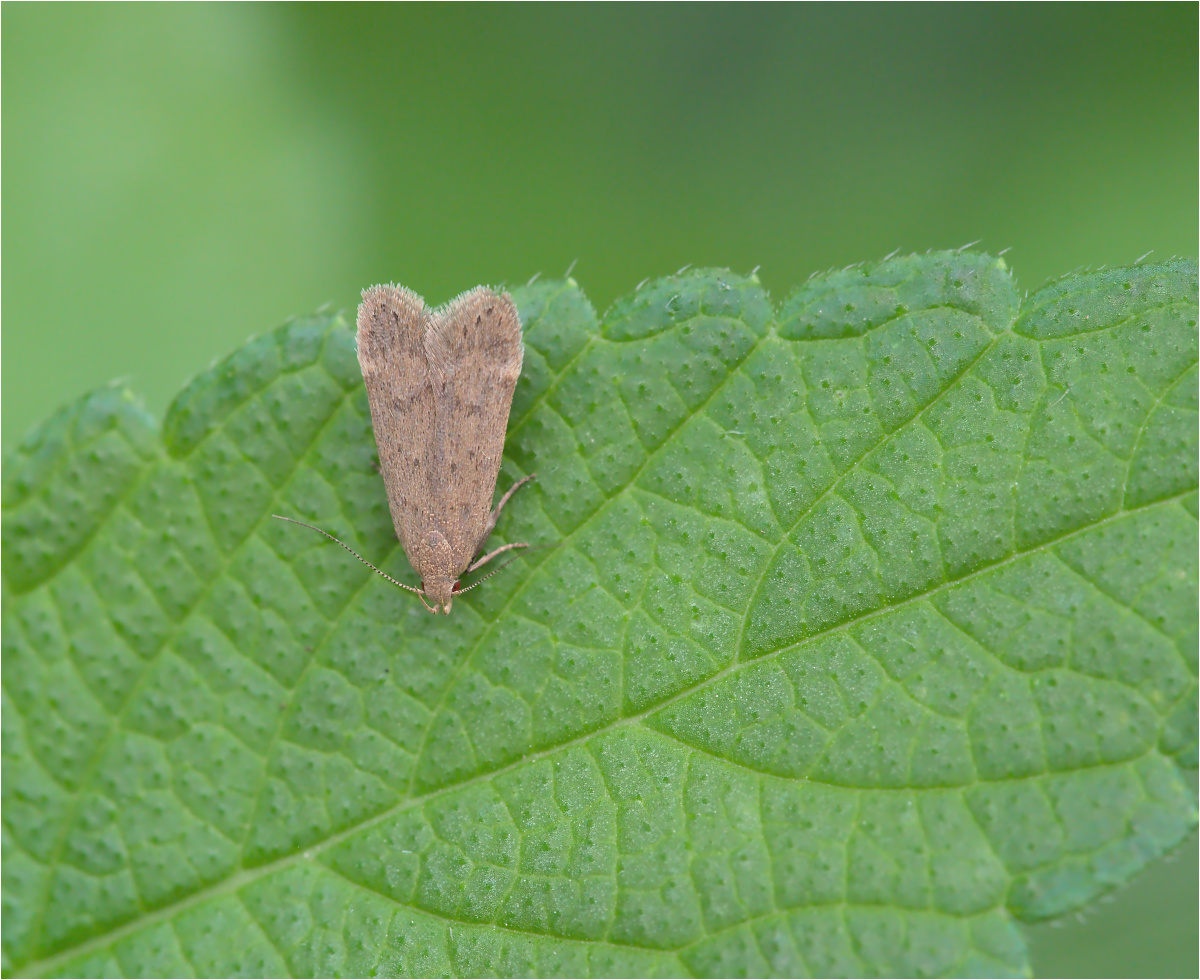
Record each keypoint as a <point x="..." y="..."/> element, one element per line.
<point x="440" y="385"/>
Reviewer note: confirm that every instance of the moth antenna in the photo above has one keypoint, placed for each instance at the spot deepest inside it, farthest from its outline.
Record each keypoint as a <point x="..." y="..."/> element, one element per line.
<point x="358" y="556"/>
<point x="487" y="576"/>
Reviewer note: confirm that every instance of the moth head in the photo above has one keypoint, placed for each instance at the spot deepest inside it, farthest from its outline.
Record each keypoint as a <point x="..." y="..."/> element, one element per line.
<point x="439" y="591"/>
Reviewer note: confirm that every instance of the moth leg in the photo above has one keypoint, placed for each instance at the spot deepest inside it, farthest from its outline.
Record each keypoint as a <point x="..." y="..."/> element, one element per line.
<point x="504" y="547"/>
<point x="495" y="515"/>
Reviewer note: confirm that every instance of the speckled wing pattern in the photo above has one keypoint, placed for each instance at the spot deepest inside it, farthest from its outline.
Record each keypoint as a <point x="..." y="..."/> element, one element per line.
<point x="391" y="352"/>
<point x="474" y="353"/>
<point x="440" y="384"/>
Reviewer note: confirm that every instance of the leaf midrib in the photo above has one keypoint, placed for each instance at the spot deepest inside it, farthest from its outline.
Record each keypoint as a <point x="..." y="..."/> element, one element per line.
<point x="247" y="876"/>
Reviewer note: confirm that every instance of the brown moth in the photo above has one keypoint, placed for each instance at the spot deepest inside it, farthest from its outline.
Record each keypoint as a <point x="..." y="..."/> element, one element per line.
<point x="440" y="384"/>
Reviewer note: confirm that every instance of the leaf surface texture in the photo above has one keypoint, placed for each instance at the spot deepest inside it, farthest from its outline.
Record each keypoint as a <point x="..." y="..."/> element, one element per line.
<point x="867" y="627"/>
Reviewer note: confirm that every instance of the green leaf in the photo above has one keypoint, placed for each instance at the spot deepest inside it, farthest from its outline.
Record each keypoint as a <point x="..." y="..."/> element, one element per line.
<point x="867" y="628"/>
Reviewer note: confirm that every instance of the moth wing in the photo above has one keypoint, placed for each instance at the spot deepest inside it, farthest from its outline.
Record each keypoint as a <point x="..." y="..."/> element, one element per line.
<point x="474" y="352"/>
<point x="392" y="322"/>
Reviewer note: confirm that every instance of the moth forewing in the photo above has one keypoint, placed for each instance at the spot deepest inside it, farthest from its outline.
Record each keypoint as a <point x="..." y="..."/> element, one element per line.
<point x="392" y="322"/>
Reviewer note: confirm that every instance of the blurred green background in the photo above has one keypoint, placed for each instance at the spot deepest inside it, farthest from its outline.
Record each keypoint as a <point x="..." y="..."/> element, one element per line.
<point x="177" y="177"/>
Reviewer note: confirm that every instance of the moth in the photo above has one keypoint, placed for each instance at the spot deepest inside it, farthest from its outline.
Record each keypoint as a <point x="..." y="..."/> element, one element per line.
<point x="440" y="385"/>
